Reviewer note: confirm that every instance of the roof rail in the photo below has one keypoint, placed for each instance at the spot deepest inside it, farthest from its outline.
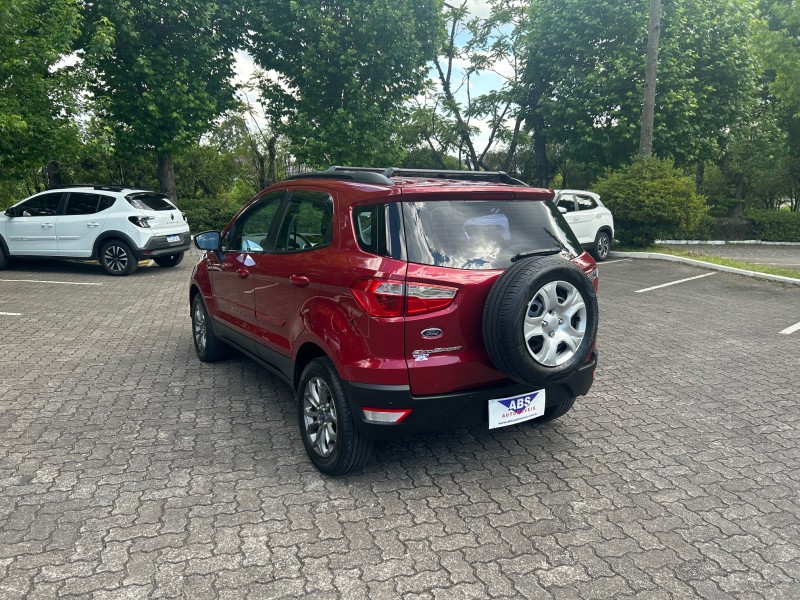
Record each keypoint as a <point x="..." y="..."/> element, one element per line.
<point x="360" y="175"/>
<point x="488" y="176"/>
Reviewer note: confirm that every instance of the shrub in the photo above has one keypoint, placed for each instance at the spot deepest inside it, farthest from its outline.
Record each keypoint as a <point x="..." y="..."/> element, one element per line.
<point x="775" y="225"/>
<point x="650" y="199"/>
<point x="208" y="213"/>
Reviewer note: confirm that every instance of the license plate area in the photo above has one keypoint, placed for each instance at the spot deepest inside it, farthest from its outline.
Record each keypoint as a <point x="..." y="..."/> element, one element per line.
<point x="516" y="409"/>
<point x="172" y="239"/>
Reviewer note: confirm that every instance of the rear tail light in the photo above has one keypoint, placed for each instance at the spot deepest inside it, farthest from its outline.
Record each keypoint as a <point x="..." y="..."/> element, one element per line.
<point x="385" y="415"/>
<point x="140" y="221"/>
<point x="386" y="298"/>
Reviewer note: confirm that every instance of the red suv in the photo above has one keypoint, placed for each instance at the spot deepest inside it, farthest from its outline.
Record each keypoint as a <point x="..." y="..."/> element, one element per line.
<point x="396" y="301"/>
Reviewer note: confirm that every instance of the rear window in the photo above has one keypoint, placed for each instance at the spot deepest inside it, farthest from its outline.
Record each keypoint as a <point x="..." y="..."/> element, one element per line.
<point x="150" y="202"/>
<point x="483" y="234"/>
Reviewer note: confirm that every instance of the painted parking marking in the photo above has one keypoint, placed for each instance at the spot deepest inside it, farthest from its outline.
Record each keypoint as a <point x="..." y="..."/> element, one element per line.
<point x="46" y="281"/>
<point x="611" y="262"/>
<point x="791" y="329"/>
<point x="663" y="285"/>
<point x="10" y="314"/>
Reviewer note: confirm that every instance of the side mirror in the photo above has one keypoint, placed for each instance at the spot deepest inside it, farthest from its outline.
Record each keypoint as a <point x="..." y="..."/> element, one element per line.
<point x="562" y="210"/>
<point x="208" y="240"/>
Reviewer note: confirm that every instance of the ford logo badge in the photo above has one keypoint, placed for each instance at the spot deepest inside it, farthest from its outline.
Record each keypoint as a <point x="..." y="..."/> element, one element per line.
<point x="431" y="333"/>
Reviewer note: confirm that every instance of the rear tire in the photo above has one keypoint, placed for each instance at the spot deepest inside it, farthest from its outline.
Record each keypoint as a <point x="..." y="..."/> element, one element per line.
<point x="117" y="258"/>
<point x="602" y="246"/>
<point x="207" y="345"/>
<point x="170" y="260"/>
<point x="3" y="259"/>
<point x="557" y="411"/>
<point x="326" y="424"/>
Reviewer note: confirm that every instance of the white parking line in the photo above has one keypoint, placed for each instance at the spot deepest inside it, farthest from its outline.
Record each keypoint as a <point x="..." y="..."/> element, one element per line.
<point x="7" y="314"/>
<point x="655" y="287"/>
<point x="45" y="281"/>
<point x="611" y="262"/>
<point x="791" y="329"/>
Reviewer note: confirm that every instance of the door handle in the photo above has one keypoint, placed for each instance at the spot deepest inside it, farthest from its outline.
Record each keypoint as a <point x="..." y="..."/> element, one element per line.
<point x="243" y="273"/>
<point x="47" y="225"/>
<point x="93" y="224"/>
<point x="299" y="280"/>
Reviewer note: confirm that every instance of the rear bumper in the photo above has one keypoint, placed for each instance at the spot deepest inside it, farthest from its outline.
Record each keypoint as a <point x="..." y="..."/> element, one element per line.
<point x="159" y="246"/>
<point x="459" y="409"/>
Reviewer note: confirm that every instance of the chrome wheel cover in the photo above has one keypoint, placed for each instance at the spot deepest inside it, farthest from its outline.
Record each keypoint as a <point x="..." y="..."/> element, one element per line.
<point x="555" y="323"/>
<point x="199" y="326"/>
<point x="116" y="258"/>
<point x="319" y="417"/>
<point x="603" y="246"/>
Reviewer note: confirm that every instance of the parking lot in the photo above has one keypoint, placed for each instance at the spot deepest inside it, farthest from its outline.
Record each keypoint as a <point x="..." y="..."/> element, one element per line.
<point x="130" y="469"/>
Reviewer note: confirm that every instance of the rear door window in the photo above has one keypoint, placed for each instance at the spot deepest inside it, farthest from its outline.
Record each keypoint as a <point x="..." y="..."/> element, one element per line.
<point x="483" y="234"/>
<point x="81" y="203"/>
<point x="308" y="222"/>
<point x="586" y="202"/>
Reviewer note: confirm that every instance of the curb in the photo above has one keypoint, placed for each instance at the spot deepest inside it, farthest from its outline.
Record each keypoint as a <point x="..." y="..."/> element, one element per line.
<point x="704" y="265"/>
<point x="722" y="243"/>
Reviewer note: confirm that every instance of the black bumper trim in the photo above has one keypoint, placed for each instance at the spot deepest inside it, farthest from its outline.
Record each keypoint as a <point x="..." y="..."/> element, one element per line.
<point x="159" y="246"/>
<point x="460" y="409"/>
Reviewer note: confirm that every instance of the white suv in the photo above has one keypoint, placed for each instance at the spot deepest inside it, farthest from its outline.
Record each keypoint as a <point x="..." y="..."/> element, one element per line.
<point x="115" y="225"/>
<point x="589" y="219"/>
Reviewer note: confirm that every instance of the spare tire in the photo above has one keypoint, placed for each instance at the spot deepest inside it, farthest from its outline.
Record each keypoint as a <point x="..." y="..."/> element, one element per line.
<point x="540" y="320"/>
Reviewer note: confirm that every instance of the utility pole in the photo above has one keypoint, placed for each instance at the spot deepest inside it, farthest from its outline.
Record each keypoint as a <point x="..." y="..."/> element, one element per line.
<point x="650" y="72"/>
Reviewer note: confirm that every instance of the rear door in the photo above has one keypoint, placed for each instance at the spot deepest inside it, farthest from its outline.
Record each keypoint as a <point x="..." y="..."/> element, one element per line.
<point x="33" y="233"/>
<point x="83" y="219"/>
<point x="587" y="218"/>
<point x="465" y="246"/>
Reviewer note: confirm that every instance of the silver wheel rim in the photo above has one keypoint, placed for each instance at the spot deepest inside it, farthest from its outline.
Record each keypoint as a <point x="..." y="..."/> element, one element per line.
<point x="555" y="323"/>
<point x="116" y="258"/>
<point x="319" y="416"/>
<point x="199" y="326"/>
<point x="603" y="246"/>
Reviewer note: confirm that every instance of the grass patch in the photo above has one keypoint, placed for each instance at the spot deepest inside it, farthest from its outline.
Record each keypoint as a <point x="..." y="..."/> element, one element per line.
<point x="718" y="260"/>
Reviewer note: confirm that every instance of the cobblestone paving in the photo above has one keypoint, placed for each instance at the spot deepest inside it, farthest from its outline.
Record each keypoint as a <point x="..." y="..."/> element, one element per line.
<point x="130" y="470"/>
<point x="787" y="257"/>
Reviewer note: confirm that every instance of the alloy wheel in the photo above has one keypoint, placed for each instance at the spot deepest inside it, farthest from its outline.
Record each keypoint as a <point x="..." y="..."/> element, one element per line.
<point x="319" y="417"/>
<point x="555" y="323"/>
<point x="116" y="258"/>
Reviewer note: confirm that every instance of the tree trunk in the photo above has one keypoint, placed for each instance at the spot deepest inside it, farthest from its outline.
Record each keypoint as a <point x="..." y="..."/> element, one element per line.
<point x="540" y="150"/>
<point x="512" y="147"/>
<point x="735" y="211"/>
<point x="650" y="73"/>
<point x="53" y="175"/>
<point x="166" y="176"/>
<point x="699" y="175"/>
<point x="271" y="152"/>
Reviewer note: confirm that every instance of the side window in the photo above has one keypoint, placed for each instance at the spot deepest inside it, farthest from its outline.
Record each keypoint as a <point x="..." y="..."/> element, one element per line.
<point x="308" y="222"/>
<point x="586" y="203"/>
<point x="250" y="232"/>
<point x="80" y="203"/>
<point x="567" y="201"/>
<point x="45" y="205"/>
<point x="105" y="203"/>
<point x="369" y="223"/>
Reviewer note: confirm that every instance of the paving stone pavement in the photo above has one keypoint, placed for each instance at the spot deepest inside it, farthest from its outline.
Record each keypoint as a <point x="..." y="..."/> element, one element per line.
<point x="128" y="469"/>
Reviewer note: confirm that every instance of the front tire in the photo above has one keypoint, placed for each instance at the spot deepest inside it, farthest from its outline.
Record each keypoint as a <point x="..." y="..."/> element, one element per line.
<point x="170" y="260"/>
<point x="326" y="424"/>
<point x="117" y="258"/>
<point x="207" y="345"/>
<point x="602" y="246"/>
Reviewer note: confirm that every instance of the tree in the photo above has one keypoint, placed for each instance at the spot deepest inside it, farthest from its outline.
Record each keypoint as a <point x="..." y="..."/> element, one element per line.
<point x="168" y="74"/>
<point x="39" y="90"/>
<point x="337" y="74"/>
<point x="587" y="67"/>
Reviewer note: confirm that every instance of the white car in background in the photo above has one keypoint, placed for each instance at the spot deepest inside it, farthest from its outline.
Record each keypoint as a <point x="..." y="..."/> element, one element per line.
<point x="589" y="219"/>
<point x="117" y="226"/>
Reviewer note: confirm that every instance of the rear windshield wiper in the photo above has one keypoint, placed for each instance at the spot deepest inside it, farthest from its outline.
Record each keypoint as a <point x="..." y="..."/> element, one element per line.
<point x="547" y="252"/>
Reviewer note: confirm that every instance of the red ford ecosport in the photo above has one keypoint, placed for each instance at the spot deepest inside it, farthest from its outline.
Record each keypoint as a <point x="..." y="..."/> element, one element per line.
<point x="397" y="301"/>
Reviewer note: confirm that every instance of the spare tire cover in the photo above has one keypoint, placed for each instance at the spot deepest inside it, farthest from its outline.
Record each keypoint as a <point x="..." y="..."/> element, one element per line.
<point x="540" y="320"/>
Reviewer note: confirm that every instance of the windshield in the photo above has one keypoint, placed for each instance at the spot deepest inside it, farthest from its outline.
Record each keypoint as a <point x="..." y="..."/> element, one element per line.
<point x="484" y="234"/>
<point x="150" y="202"/>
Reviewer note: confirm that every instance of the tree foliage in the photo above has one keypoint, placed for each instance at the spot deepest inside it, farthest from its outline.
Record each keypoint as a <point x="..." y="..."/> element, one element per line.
<point x="337" y="74"/>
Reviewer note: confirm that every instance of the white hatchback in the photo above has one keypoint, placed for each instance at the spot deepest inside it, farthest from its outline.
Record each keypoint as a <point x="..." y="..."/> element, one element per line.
<point x="117" y="226"/>
<point x="590" y="220"/>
